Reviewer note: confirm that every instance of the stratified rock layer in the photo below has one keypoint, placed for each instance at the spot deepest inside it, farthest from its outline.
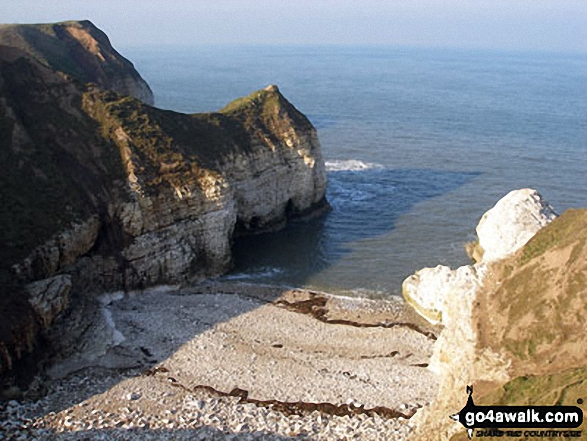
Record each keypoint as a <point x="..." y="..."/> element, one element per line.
<point x="115" y="194"/>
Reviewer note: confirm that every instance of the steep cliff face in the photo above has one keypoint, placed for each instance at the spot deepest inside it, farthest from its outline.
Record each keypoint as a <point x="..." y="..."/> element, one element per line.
<point x="516" y="330"/>
<point x="503" y="230"/>
<point x="284" y="167"/>
<point x="80" y="50"/>
<point x="105" y="192"/>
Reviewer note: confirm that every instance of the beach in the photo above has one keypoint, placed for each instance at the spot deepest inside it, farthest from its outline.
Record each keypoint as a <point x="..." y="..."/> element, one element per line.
<point x="222" y="360"/>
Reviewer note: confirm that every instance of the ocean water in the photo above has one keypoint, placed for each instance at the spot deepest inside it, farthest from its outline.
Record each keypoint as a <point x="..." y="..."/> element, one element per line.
<point x="419" y="143"/>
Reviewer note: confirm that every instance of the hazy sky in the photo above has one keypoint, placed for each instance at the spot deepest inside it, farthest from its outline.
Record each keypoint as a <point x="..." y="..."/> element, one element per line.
<point x="559" y="25"/>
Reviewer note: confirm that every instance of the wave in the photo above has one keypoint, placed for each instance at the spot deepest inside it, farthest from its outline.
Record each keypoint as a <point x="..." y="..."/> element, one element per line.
<point x="264" y="273"/>
<point x="350" y="165"/>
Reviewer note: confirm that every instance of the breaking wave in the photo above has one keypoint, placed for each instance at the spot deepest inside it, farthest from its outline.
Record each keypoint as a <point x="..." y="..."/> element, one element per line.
<point x="256" y="274"/>
<point x="350" y="165"/>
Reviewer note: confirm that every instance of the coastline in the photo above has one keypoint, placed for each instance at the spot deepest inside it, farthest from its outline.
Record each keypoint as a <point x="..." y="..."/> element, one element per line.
<point x="259" y="362"/>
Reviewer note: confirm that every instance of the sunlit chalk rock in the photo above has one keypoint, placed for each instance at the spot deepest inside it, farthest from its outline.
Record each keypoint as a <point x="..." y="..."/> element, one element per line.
<point x="511" y="223"/>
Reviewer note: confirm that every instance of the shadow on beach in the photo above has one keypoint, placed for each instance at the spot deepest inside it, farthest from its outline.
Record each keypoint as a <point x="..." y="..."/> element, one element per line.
<point x="133" y="333"/>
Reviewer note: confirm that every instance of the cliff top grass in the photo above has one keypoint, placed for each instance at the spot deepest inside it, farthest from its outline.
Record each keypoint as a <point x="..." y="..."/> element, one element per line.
<point x="538" y="309"/>
<point x="569" y="228"/>
<point x="206" y="139"/>
<point x="268" y="104"/>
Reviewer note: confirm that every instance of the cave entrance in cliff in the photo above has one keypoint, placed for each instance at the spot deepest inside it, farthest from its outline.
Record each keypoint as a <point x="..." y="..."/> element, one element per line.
<point x="288" y="256"/>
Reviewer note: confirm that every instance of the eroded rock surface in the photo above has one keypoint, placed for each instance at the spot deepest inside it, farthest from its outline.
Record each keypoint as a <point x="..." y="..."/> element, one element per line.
<point x="49" y="297"/>
<point x="116" y="194"/>
<point x="502" y="231"/>
<point x="514" y="334"/>
<point x="514" y="220"/>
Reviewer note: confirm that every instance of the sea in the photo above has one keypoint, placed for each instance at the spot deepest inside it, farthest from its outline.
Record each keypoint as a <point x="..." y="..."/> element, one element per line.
<point x="418" y="143"/>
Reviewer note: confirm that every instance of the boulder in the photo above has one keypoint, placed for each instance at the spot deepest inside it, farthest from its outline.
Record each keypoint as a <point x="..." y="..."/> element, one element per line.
<point x="49" y="297"/>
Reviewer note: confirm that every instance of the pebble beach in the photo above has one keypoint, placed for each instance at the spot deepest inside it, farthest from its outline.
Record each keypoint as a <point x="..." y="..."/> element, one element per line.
<point x="235" y="361"/>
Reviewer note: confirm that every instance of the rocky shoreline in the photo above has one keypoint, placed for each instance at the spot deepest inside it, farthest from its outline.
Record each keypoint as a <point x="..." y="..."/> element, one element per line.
<point x="239" y="361"/>
<point x="106" y="193"/>
<point x="236" y="361"/>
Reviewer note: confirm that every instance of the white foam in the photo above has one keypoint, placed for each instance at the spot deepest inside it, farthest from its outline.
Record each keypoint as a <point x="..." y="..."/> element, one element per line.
<point x="262" y="272"/>
<point x="117" y="336"/>
<point x="350" y="165"/>
<point x="108" y="298"/>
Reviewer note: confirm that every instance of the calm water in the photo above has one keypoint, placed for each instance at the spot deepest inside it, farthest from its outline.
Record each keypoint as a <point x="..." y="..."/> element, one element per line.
<point x="419" y="144"/>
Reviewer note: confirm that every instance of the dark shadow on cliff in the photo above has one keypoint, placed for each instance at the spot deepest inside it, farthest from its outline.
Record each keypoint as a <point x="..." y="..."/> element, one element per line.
<point x="365" y="204"/>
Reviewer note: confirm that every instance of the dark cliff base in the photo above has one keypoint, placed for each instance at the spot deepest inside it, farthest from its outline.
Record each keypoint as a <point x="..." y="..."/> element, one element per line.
<point x="317" y="209"/>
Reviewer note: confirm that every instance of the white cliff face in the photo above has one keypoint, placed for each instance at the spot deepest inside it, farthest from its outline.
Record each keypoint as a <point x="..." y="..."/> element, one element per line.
<point x="503" y="230"/>
<point x="456" y="360"/>
<point x="512" y="222"/>
<point x="449" y="296"/>
<point x="176" y="239"/>
<point x="271" y="184"/>
<point x="179" y="222"/>
<point x="426" y="290"/>
<point x="135" y="87"/>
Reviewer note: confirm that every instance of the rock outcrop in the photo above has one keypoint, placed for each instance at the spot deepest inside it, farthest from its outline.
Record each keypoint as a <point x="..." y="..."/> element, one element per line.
<point x="511" y="327"/>
<point x="49" y="297"/>
<point x="503" y="230"/>
<point x="114" y="194"/>
<point x="508" y="226"/>
<point x="80" y="50"/>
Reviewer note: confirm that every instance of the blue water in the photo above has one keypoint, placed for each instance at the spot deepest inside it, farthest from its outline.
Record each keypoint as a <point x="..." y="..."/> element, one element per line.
<point x="419" y="143"/>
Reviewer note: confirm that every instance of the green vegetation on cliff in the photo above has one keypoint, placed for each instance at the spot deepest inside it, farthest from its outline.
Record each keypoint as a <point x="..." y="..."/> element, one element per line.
<point x="535" y="315"/>
<point x="565" y="388"/>
<point x="169" y="145"/>
<point x="568" y="229"/>
<point x="560" y="389"/>
<point x="542" y="295"/>
<point x="117" y="193"/>
<point x="55" y="166"/>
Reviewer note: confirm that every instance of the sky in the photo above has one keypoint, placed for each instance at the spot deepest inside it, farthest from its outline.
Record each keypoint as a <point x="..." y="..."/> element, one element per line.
<point x="537" y="25"/>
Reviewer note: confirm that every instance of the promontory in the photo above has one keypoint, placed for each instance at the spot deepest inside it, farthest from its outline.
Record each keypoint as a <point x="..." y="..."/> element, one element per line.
<point x="102" y="191"/>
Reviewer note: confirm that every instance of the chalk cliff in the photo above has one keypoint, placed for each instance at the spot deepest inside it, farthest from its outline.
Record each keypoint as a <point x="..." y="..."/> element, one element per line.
<point x="503" y="230"/>
<point x="103" y="192"/>
<point x="512" y="326"/>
